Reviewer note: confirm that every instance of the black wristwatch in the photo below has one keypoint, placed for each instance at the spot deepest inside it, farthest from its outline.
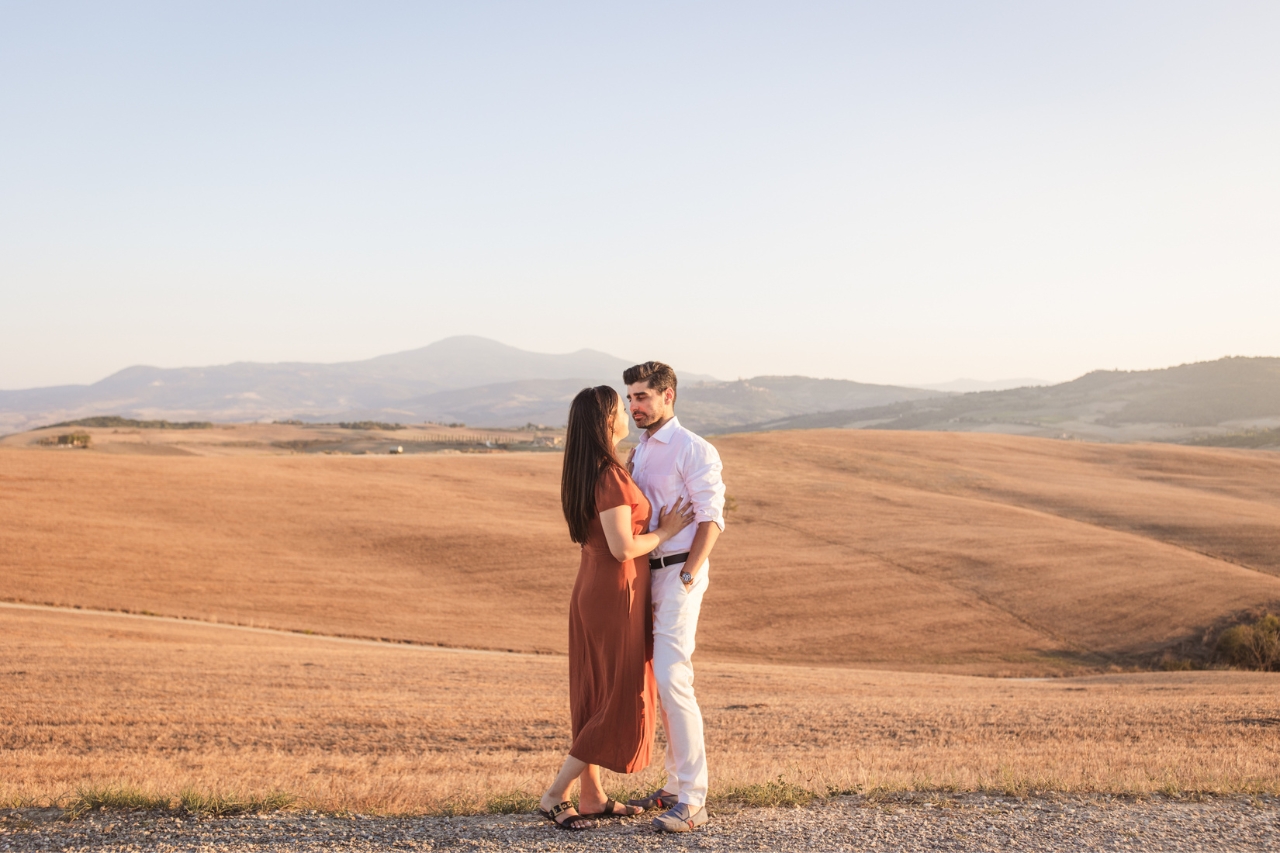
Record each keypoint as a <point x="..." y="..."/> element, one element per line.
<point x="685" y="577"/>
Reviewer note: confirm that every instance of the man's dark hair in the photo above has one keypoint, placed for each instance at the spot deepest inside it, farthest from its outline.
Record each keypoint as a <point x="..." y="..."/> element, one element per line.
<point x="659" y="376"/>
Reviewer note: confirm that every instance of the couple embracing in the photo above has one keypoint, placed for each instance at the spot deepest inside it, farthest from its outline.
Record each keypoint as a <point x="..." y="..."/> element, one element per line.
<point x="646" y="529"/>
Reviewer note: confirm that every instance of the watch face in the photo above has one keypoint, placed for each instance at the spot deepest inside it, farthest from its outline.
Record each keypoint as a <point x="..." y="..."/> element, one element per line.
<point x="686" y="577"/>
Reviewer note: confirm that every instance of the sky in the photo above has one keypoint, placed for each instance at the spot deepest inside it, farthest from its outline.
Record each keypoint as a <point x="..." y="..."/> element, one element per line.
<point x="898" y="192"/>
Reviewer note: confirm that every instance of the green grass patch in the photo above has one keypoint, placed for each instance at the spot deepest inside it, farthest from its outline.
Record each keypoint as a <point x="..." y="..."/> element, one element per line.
<point x="512" y="802"/>
<point x="220" y="804"/>
<point x="115" y="797"/>
<point x="777" y="792"/>
<point x="189" y="801"/>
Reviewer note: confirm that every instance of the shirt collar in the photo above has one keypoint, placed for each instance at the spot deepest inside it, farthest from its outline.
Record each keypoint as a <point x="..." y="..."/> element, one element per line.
<point x="665" y="433"/>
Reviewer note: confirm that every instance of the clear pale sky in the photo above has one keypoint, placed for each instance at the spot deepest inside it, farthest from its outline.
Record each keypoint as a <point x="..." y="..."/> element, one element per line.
<point x="890" y="192"/>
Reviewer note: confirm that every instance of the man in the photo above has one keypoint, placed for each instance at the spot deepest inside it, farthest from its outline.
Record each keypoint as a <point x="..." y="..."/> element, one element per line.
<point x="669" y="462"/>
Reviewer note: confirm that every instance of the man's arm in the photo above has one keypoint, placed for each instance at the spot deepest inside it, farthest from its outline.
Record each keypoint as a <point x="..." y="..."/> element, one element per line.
<point x="706" y="489"/>
<point x="703" y="541"/>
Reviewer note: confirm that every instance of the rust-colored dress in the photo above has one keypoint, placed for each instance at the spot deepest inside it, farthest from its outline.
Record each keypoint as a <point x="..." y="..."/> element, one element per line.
<point x="612" y="693"/>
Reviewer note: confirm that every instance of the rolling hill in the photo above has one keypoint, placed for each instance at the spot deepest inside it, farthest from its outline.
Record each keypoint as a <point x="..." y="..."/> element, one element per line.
<point x="710" y="407"/>
<point x="463" y="379"/>
<point x="1190" y="401"/>
<point x="248" y="391"/>
<point x="959" y="553"/>
<point x="484" y="383"/>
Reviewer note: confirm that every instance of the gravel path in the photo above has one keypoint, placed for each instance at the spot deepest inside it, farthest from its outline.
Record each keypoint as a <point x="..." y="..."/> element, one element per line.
<point x="963" y="823"/>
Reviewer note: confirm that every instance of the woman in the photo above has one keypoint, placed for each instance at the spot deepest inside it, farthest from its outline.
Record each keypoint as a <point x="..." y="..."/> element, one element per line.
<point x="612" y="694"/>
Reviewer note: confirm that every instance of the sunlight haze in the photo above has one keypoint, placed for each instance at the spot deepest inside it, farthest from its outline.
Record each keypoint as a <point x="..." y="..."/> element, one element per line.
<point x="907" y="193"/>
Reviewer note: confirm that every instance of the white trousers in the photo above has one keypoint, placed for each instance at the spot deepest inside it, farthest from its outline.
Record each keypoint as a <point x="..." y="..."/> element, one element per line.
<point x="675" y="622"/>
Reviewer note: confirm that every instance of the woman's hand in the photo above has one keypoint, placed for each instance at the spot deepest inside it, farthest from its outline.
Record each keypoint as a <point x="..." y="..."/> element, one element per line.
<point x="674" y="519"/>
<point x="626" y="545"/>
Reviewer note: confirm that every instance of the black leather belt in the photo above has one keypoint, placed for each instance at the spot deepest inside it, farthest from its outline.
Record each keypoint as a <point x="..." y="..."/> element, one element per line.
<point x="663" y="562"/>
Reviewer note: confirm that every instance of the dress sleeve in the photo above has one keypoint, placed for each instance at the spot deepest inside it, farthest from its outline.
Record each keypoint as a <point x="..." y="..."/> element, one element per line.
<point x="613" y="490"/>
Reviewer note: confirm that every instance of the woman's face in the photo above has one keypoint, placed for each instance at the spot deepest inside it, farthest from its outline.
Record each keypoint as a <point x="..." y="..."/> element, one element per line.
<point x="619" y="427"/>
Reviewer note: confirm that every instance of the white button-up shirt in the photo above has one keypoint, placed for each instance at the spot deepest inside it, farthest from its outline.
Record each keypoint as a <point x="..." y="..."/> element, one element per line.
<point x="674" y="462"/>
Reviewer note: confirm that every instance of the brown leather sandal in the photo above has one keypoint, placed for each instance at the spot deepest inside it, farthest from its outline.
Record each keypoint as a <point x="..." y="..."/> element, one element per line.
<point x="571" y="822"/>
<point x="611" y="809"/>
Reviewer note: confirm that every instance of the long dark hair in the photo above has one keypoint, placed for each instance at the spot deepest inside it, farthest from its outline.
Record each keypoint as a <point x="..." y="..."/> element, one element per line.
<point x="588" y="453"/>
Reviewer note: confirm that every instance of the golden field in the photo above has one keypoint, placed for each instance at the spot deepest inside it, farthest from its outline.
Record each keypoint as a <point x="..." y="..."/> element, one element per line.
<point x="942" y="552"/>
<point x="867" y="588"/>
<point x="161" y="706"/>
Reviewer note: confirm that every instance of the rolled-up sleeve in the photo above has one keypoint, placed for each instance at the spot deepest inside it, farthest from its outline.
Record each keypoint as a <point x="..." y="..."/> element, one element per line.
<point x="703" y="483"/>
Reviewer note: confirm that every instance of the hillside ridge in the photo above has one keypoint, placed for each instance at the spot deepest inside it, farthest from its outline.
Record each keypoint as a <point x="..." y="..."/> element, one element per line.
<point x="980" y="554"/>
<point x="1232" y="401"/>
<point x="1197" y="401"/>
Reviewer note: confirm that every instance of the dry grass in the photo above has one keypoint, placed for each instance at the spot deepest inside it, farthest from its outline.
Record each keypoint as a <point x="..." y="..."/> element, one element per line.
<point x="111" y="435"/>
<point x="117" y="797"/>
<point x="849" y="554"/>
<point x="142" y="705"/>
<point x="404" y="548"/>
<point x="962" y="553"/>
<point x="991" y="554"/>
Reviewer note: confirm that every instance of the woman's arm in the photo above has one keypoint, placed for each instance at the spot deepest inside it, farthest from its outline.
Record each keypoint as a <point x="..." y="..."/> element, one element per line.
<point x="623" y="545"/>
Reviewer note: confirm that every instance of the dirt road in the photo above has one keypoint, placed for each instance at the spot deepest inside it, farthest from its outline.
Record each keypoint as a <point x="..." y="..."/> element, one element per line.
<point x="966" y="823"/>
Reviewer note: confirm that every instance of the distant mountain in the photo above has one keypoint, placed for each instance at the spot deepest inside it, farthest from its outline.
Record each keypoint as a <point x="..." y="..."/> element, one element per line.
<point x="1175" y="404"/>
<point x="706" y="407"/>
<point x="247" y="391"/>
<point x="965" y="386"/>
<point x="463" y="379"/>
<point x="468" y="361"/>
<point x="725" y="406"/>
<point x="538" y="401"/>
<point x="485" y="383"/>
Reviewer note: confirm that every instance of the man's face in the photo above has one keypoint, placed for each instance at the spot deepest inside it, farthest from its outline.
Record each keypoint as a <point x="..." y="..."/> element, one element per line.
<point x="648" y="406"/>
